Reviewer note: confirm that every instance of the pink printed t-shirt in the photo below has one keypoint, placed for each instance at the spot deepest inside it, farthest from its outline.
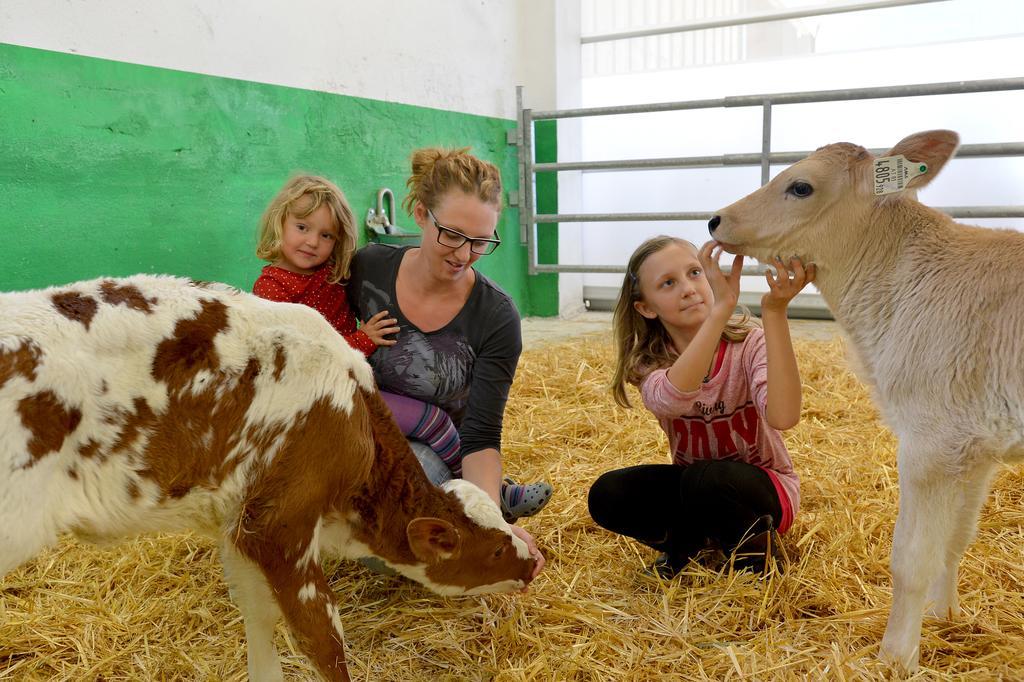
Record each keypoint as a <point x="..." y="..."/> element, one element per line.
<point x="724" y="419"/>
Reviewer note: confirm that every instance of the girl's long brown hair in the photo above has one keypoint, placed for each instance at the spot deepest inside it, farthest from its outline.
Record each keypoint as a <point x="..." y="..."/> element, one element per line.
<point x="643" y="345"/>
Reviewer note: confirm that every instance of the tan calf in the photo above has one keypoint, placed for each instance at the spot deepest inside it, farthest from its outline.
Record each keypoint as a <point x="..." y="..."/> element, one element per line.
<point x="934" y="312"/>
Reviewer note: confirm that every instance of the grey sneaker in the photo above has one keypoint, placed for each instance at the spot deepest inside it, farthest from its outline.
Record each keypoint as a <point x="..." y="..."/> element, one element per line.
<point x="518" y="501"/>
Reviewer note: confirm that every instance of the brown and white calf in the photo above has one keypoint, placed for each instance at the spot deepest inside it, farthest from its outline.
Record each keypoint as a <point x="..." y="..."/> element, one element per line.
<point x="155" y="403"/>
<point x="933" y="312"/>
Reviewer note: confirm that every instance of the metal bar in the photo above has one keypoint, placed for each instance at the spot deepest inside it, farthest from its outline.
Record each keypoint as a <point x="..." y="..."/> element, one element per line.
<point x="766" y="141"/>
<point x="982" y="211"/>
<point x="849" y="94"/>
<point x="529" y="207"/>
<point x="547" y="267"/>
<point x="524" y="226"/>
<point x="919" y="90"/>
<point x="631" y="109"/>
<point x="753" y="159"/>
<point x="756" y="18"/>
<point x="953" y="211"/>
<point x="748" y="270"/>
<point x="979" y="150"/>
<point x="614" y="217"/>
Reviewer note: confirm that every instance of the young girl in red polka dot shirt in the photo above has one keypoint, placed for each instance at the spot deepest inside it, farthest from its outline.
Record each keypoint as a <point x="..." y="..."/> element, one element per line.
<point x="308" y="234"/>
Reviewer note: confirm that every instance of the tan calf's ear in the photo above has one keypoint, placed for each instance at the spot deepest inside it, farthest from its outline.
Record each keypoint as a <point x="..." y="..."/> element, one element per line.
<point x="432" y="540"/>
<point x="932" y="147"/>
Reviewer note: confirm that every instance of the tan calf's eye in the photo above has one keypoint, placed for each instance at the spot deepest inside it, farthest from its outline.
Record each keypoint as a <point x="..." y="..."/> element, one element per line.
<point x="800" y="189"/>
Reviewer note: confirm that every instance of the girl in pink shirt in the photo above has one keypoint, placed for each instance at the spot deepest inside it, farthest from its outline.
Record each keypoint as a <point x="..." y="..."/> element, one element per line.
<point x="721" y="389"/>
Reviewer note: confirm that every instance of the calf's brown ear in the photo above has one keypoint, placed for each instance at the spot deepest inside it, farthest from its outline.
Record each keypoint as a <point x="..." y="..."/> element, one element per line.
<point x="433" y="540"/>
<point x="931" y="147"/>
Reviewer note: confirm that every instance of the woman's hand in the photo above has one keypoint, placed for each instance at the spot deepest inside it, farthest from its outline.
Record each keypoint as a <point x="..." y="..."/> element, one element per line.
<point x="786" y="283"/>
<point x="726" y="288"/>
<point x="379" y="326"/>
<point x="531" y="545"/>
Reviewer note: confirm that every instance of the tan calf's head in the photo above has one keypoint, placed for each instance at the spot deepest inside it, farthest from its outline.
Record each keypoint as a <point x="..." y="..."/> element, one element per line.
<point x="476" y="557"/>
<point x="816" y="202"/>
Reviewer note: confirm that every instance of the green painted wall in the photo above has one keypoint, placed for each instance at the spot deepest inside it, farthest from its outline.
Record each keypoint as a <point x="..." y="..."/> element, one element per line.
<point x="544" y="287"/>
<point x="108" y="168"/>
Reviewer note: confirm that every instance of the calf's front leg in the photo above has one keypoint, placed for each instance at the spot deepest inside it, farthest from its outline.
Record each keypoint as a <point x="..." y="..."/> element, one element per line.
<point x="920" y="549"/>
<point x="251" y="593"/>
<point x="942" y="601"/>
<point x="288" y="555"/>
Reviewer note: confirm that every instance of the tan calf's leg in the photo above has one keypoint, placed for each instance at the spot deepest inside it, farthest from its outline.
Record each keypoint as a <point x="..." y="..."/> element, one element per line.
<point x="942" y="601"/>
<point x="921" y="544"/>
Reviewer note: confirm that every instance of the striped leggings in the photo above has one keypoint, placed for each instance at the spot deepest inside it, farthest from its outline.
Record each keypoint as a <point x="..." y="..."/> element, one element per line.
<point x="429" y="424"/>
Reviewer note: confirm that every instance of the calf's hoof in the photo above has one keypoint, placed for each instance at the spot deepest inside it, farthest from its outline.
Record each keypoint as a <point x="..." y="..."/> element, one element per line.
<point x="943" y="610"/>
<point x="907" y="660"/>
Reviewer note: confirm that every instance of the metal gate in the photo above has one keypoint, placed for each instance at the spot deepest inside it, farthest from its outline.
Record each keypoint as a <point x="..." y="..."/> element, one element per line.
<point x="528" y="168"/>
<point x="810" y="305"/>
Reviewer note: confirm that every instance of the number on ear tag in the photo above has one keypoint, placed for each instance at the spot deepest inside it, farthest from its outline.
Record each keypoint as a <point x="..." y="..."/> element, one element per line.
<point x="892" y="173"/>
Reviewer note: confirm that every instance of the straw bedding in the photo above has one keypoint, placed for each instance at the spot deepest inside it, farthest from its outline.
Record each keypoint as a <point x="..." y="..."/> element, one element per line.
<point x="157" y="608"/>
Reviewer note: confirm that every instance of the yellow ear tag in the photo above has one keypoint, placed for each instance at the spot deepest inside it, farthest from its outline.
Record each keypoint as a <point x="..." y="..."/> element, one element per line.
<point x="892" y="173"/>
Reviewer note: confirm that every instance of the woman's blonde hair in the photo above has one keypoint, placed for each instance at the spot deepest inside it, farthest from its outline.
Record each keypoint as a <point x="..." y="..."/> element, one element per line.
<point x="436" y="170"/>
<point x="641" y="344"/>
<point x="291" y="200"/>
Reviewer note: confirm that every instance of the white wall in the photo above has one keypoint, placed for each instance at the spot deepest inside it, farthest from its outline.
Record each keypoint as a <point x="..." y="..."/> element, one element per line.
<point x="457" y="55"/>
<point x="570" y="185"/>
<point x="551" y="73"/>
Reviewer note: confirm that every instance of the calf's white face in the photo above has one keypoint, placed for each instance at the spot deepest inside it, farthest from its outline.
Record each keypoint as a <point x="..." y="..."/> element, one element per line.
<point x="818" y="202"/>
<point x="795" y="208"/>
<point x="479" y="557"/>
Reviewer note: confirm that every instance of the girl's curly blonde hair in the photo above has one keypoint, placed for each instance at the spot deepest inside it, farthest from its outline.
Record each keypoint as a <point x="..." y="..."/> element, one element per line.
<point x="301" y="196"/>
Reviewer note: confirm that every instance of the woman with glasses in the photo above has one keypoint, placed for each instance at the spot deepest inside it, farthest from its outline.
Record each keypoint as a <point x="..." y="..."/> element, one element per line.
<point x="459" y="335"/>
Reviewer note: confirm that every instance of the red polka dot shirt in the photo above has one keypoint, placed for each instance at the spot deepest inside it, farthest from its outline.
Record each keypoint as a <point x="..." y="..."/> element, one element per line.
<point x="327" y="298"/>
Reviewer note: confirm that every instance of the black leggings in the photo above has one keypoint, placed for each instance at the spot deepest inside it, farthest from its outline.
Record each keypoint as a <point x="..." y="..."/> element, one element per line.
<point x="675" y="509"/>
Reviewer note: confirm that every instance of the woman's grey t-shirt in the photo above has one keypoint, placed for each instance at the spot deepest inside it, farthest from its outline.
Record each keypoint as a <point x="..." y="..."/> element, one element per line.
<point x="465" y="368"/>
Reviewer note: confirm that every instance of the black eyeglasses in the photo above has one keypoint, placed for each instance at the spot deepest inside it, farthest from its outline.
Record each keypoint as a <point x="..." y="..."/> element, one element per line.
<point x="454" y="239"/>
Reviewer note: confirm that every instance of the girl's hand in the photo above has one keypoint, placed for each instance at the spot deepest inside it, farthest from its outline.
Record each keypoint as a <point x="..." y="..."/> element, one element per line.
<point x="379" y="326"/>
<point x="787" y="283"/>
<point x="726" y="288"/>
